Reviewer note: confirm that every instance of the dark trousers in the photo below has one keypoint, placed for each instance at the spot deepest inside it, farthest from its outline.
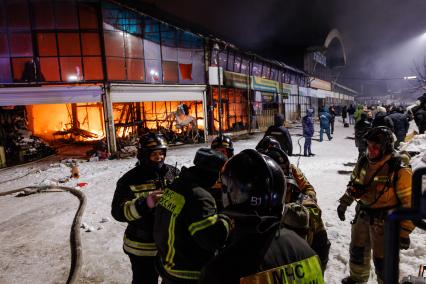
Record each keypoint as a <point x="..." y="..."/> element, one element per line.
<point x="327" y="131"/>
<point x="307" y="146"/>
<point x="143" y="268"/>
<point x="332" y="126"/>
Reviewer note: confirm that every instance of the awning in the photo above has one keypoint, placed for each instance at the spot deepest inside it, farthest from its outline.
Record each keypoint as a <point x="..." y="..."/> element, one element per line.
<point x="49" y="95"/>
<point x="156" y="93"/>
<point x="264" y="85"/>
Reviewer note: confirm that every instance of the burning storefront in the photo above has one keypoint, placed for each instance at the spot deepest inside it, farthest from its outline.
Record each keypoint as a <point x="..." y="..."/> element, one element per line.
<point x="34" y="118"/>
<point x="175" y="111"/>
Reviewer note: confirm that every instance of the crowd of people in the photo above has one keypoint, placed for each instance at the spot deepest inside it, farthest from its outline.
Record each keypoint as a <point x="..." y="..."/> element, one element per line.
<point x="253" y="217"/>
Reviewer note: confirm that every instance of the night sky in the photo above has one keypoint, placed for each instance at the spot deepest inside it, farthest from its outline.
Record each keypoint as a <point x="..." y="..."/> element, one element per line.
<point x="382" y="37"/>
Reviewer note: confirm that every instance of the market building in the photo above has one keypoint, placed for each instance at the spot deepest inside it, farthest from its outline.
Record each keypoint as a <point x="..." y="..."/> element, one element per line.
<point x="90" y="70"/>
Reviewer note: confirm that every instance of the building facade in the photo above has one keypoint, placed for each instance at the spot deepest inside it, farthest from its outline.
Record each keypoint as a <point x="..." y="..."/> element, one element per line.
<point x="88" y="70"/>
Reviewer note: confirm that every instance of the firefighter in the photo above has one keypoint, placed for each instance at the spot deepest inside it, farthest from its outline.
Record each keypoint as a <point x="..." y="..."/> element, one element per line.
<point x="296" y="180"/>
<point x="380" y="181"/>
<point x="223" y="144"/>
<point x="187" y="228"/>
<point x="300" y="193"/>
<point x="261" y="251"/>
<point x="266" y="143"/>
<point x="134" y="200"/>
<point x="281" y="134"/>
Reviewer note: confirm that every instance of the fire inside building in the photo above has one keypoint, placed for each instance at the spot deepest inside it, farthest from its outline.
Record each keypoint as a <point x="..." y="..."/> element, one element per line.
<point x="89" y="71"/>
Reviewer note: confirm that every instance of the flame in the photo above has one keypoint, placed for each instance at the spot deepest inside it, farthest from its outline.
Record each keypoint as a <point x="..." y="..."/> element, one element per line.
<point x="234" y="108"/>
<point x="153" y="115"/>
<point x="46" y="120"/>
<point x="54" y="121"/>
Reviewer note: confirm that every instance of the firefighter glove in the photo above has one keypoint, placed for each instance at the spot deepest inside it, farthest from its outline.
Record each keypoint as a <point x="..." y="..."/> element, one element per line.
<point x="404" y="243"/>
<point x="341" y="209"/>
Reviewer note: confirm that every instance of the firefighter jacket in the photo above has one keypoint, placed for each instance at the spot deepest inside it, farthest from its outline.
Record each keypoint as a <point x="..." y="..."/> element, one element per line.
<point x="386" y="185"/>
<point x="264" y="253"/>
<point x="128" y="205"/>
<point x="297" y="183"/>
<point x="187" y="228"/>
<point x="317" y="236"/>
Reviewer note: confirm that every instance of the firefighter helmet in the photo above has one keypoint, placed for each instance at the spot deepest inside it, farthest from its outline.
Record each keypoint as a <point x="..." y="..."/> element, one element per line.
<point x="253" y="183"/>
<point x="223" y="141"/>
<point x="151" y="142"/>
<point x="266" y="143"/>
<point x="382" y="136"/>
<point x="280" y="157"/>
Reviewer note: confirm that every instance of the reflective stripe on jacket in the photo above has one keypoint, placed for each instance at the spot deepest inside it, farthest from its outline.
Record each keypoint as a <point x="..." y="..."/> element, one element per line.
<point x="128" y="206"/>
<point x="303" y="271"/>
<point x="385" y="191"/>
<point x="187" y="229"/>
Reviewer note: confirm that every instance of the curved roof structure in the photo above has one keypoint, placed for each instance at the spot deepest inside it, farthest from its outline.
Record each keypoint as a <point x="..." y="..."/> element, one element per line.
<point x="335" y="49"/>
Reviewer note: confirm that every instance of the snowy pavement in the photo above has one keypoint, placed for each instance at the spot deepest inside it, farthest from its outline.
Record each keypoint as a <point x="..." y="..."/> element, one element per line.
<point x="34" y="230"/>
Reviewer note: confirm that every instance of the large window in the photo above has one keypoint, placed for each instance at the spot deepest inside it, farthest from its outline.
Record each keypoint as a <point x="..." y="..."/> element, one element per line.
<point x="139" y="48"/>
<point x="45" y="40"/>
<point x="124" y="44"/>
<point x="256" y="68"/>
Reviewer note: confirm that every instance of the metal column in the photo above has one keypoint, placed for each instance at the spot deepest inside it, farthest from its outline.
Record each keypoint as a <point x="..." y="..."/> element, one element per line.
<point x="109" y="120"/>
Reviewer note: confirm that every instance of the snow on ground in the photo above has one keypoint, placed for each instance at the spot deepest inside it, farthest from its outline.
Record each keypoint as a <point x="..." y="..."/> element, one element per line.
<point x="34" y="230"/>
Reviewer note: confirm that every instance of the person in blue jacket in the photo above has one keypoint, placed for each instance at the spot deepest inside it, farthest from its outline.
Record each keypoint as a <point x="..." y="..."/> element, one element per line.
<point x="325" y="123"/>
<point x="308" y="132"/>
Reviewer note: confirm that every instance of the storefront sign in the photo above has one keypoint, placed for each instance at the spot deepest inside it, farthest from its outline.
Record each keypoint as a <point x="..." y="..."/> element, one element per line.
<point x="288" y="89"/>
<point x="268" y="98"/>
<point x="320" y="84"/>
<point x="264" y="85"/>
<point x="235" y="80"/>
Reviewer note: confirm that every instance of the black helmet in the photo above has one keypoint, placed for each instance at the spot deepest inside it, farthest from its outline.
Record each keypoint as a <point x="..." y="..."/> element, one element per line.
<point x="383" y="136"/>
<point x="266" y="143"/>
<point x="151" y="142"/>
<point x="223" y="141"/>
<point x="253" y="183"/>
<point x="280" y="157"/>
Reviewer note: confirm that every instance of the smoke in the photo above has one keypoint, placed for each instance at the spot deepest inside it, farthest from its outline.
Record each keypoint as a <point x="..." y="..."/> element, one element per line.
<point x="383" y="37"/>
<point x="379" y="35"/>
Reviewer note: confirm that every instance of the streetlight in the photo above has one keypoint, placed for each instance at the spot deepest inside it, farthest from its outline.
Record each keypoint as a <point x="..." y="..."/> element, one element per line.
<point x="219" y="91"/>
<point x="410" y="77"/>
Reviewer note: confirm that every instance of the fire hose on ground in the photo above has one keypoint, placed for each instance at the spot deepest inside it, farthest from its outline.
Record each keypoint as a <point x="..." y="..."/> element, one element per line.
<point x="75" y="238"/>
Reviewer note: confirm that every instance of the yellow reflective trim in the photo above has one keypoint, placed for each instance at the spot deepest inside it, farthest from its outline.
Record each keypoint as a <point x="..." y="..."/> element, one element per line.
<point x="201" y="225"/>
<point x="402" y="194"/>
<point x="184" y="274"/>
<point x="143" y="187"/>
<point x="173" y="202"/>
<point x="381" y="179"/>
<point x="304" y="271"/>
<point x="314" y="211"/>
<point x="139" y="245"/>
<point x="139" y="252"/>
<point x="226" y="224"/>
<point x="130" y="211"/>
